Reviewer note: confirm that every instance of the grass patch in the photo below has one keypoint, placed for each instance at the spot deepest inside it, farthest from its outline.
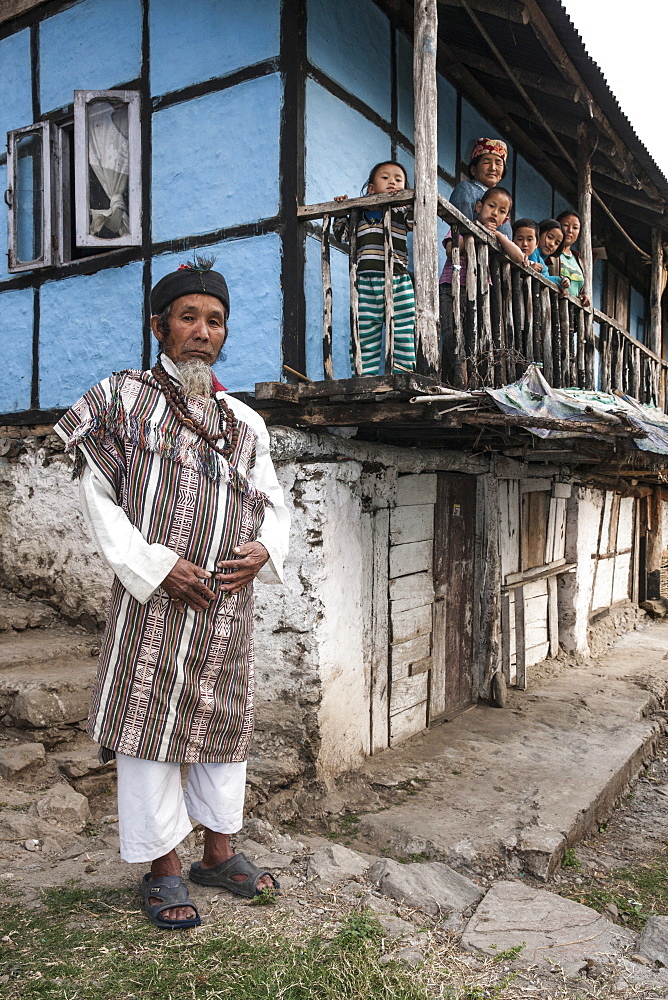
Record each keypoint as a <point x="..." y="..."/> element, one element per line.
<point x="81" y="945"/>
<point x="638" y="892"/>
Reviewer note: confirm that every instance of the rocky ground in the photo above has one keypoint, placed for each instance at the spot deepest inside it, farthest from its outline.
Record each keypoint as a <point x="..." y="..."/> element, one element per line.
<point x="596" y="929"/>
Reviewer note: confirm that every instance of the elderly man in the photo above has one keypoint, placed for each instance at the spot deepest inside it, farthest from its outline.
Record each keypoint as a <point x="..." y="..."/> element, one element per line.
<point x="182" y="501"/>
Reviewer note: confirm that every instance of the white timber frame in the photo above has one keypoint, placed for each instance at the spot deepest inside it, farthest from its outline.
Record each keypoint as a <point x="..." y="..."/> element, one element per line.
<point x="46" y="133"/>
<point x="82" y="98"/>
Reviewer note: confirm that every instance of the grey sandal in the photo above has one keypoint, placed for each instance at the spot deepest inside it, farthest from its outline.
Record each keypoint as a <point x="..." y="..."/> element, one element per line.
<point x="172" y="891"/>
<point x="220" y="877"/>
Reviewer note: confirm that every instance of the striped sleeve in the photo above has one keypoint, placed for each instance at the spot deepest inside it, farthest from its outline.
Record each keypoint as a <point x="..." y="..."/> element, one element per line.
<point x="89" y="431"/>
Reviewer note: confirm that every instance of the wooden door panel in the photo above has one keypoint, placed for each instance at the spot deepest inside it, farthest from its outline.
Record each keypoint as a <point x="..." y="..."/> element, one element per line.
<point x="454" y="549"/>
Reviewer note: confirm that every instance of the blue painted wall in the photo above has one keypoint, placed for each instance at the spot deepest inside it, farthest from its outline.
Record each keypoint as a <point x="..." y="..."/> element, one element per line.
<point x="637" y="315"/>
<point x="215" y="160"/>
<point x="94" y="45"/>
<point x="218" y="38"/>
<point x="341" y="146"/>
<point x="252" y="268"/>
<point x="16" y="349"/>
<point x="16" y="103"/>
<point x="349" y="40"/>
<point x="597" y="284"/>
<point x="533" y="194"/>
<point x="340" y="312"/>
<point x="90" y="325"/>
<point x="560" y="204"/>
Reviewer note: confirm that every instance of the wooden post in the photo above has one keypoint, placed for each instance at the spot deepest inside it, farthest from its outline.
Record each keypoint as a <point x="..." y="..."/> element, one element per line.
<point x="487" y="368"/>
<point x="546" y="322"/>
<point x="528" y="319"/>
<point x="460" y="377"/>
<point x="354" y="295"/>
<point x="389" y="290"/>
<point x="471" y="310"/>
<point x="326" y="301"/>
<point x="425" y="240"/>
<point x="654" y="548"/>
<point x="584" y="242"/>
<point x="565" y="324"/>
<point x="656" y="291"/>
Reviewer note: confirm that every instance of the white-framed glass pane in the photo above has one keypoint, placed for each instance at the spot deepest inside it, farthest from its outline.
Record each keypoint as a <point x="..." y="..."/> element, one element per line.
<point x="29" y="197"/>
<point x="107" y="168"/>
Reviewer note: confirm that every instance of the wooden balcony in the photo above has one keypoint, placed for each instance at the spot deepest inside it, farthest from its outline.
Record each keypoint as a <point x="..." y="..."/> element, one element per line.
<point x="505" y="318"/>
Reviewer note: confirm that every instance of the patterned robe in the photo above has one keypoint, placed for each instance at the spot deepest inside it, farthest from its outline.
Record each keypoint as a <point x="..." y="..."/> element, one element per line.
<point x="173" y="686"/>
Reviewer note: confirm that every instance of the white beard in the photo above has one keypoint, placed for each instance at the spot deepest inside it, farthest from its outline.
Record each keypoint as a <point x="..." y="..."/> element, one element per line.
<point x="195" y="377"/>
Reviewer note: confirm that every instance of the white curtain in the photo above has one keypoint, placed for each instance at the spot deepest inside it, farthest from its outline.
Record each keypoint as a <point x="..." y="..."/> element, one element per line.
<point x="108" y="152"/>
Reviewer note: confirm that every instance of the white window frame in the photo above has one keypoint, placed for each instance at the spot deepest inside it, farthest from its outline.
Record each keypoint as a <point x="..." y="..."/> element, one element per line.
<point x="83" y="237"/>
<point x="47" y="256"/>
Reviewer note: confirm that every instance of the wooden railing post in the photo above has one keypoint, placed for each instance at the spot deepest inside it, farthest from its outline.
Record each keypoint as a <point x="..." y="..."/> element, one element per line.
<point x="327" y="365"/>
<point x="425" y="241"/>
<point x="460" y="375"/>
<point x="584" y="207"/>
<point x="389" y="290"/>
<point x="354" y="295"/>
<point x="656" y="291"/>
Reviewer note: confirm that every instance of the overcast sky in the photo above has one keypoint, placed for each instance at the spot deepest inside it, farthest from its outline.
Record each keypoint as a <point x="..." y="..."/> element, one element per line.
<point x="628" y="41"/>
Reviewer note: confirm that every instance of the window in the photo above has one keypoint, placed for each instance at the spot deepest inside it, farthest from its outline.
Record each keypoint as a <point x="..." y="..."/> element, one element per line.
<point x="107" y="168"/>
<point x="29" y="197"/>
<point x="75" y="187"/>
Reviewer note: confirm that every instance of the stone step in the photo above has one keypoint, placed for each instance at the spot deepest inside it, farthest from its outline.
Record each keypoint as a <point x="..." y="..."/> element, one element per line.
<point x="46" y="677"/>
<point x="17" y="614"/>
<point x="34" y="649"/>
<point x="524" y="783"/>
<point x="56" y="693"/>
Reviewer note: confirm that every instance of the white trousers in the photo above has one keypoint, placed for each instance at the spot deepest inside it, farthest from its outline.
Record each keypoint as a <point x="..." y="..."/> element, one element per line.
<point x="154" y="809"/>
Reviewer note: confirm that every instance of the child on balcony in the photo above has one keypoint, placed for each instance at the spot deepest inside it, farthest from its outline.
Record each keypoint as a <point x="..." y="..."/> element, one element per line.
<point x="491" y="212"/>
<point x="388" y="178"/>
<point x="571" y="262"/>
<point x="539" y="243"/>
<point x="487" y="168"/>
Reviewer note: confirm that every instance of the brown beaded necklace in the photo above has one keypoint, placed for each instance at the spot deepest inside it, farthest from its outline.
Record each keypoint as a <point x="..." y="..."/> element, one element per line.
<point x="177" y="403"/>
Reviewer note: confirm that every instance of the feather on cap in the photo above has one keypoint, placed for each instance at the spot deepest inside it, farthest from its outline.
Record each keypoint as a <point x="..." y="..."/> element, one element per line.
<point x="194" y="277"/>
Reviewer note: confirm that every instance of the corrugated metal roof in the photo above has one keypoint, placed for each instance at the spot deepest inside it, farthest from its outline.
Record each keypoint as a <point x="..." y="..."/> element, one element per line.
<point x="595" y="80"/>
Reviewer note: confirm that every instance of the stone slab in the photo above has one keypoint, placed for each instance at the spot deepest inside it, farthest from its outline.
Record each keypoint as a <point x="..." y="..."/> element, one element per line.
<point x="653" y="941"/>
<point x="548" y="929"/>
<point x="528" y="780"/>
<point x="432" y="887"/>
<point x="64" y="808"/>
<point x="18" y="760"/>
<point x="335" y="863"/>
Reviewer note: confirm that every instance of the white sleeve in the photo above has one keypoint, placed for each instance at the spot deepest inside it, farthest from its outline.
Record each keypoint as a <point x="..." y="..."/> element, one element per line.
<point x="275" y="531"/>
<point x="140" y="566"/>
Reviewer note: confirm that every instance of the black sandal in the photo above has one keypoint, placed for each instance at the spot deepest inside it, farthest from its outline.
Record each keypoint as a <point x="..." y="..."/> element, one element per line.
<point x="220" y="877"/>
<point x="172" y="891"/>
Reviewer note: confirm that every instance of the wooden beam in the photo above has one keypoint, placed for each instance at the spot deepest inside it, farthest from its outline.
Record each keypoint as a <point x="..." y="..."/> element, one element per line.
<point x="545" y="123"/>
<point x="548" y="39"/>
<point x="14" y="8"/>
<point x="425" y="240"/>
<point x="507" y="10"/>
<point x="535" y="81"/>
<point x="656" y="292"/>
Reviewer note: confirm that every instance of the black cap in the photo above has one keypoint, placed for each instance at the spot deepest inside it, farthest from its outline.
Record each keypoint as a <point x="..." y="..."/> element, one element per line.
<point x="195" y="277"/>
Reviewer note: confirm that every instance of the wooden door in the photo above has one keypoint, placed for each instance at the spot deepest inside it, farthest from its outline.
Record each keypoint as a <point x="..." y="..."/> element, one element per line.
<point x="452" y="687"/>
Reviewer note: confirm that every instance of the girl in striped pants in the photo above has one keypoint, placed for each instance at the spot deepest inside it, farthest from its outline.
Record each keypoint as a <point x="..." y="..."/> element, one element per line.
<point x="385" y="178"/>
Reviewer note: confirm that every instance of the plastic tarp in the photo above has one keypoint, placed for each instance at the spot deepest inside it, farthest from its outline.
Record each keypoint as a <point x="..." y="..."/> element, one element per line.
<point x="532" y="396"/>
